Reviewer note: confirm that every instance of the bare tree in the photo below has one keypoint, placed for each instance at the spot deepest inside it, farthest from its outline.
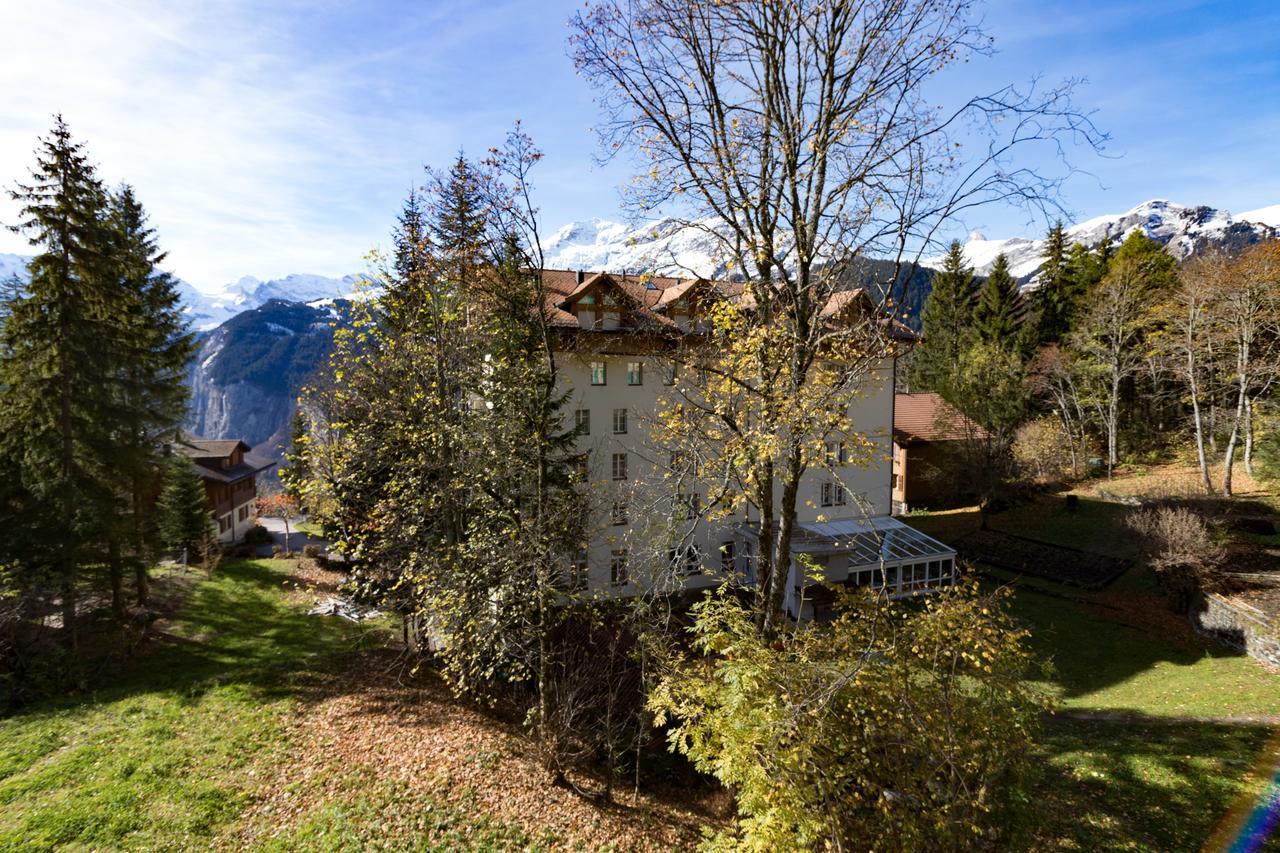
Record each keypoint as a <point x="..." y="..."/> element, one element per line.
<point x="798" y="136"/>
<point x="1187" y="318"/>
<point x="1248" y="309"/>
<point x="1109" y="342"/>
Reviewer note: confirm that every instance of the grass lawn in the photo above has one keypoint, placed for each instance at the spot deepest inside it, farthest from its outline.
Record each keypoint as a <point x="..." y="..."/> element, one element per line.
<point x="169" y="756"/>
<point x="307" y="528"/>
<point x="1156" y="778"/>
<point x="1137" y="759"/>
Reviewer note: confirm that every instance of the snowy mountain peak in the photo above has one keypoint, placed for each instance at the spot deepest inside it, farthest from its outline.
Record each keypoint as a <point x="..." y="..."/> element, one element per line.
<point x="1264" y="215"/>
<point x="1184" y="231"/>
<point x="666" y="246"/>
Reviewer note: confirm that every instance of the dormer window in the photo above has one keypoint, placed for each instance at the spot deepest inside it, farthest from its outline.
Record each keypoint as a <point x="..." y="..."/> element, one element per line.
<point x="588" y="299"/>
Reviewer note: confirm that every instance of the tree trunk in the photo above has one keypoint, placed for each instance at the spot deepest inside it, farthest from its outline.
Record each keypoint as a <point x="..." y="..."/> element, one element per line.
<point x="68" y="591"/>
<point x="116" y="571"/>
<point x="1199" y="425"/>
<point x="141" y="569"/>
<point x="1229" y="455"/>
<point x="1248" y="436"/>
<point x="782" y="548"/>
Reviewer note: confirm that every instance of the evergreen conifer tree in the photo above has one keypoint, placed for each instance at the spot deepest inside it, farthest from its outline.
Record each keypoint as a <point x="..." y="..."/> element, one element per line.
<point x="1085" y="268"/>
<point x="184" y="519"/>
<point x="59" y="390"/>
<point x="152" y="350"/>
<point x="404" y="281"/>
<point x="459" y="224"/>
<point x="1053" y="296"/>
<point x="296" y="471"/>
<point x="994" y="317"/>
<point x="945" y="322"/>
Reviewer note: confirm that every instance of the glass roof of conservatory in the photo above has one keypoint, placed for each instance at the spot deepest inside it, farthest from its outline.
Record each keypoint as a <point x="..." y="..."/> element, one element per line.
<point x="870" y="541"/>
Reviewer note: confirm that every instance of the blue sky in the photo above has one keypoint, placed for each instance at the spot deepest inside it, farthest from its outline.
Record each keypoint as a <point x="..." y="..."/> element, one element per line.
<point x="276" y="137"/>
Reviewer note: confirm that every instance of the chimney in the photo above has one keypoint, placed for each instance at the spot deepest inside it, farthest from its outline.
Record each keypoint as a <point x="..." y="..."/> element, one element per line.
<point x="579" y="276"/>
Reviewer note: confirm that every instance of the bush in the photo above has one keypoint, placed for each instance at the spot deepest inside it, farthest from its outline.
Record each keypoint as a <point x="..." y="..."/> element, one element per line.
<point x="1179" y="546"/>
<point x="1042" y="450"/>
<point x="312" y="551"/>
<point x="1267" y="457"/>
<point x="896" y="726"/>
<point x="258" y="535"/>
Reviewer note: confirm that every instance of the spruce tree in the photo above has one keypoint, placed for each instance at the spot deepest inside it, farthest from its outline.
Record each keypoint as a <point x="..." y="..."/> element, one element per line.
<point x="1085" y="268"/>
<point x="184" y="519"/>
<point x="59" y="390"/>
<point x="1054" y="302"/>
<point x="944" y="322"/>
<point x="410" y="266"/>
<point x="994" y="317"/>
<point x="153" y="348"/>
<point x="296" y="471"/>
<point x="459" y="224"/>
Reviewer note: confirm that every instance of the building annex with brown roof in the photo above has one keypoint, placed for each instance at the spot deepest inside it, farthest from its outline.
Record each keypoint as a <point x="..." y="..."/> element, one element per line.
<point x="926" y="432"/>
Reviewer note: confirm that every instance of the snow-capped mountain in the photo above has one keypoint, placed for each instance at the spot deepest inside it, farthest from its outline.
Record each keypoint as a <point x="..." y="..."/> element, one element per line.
<point x="207" y="311"/>
<point x="1265" y="215"/>
<point x="13" y="266"/>
<point x="664" y="246"/>
<point x="1184" y="231"/>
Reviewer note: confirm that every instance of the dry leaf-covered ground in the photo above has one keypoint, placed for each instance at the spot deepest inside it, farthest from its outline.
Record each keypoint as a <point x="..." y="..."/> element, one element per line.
<point x="372" y="741"/>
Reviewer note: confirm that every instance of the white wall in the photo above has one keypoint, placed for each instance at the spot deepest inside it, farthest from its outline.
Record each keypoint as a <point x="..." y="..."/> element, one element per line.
<point x="650" y="497"/>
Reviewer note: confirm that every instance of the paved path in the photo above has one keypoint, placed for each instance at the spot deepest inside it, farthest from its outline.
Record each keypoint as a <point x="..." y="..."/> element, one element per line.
<point x="297" y="541"/>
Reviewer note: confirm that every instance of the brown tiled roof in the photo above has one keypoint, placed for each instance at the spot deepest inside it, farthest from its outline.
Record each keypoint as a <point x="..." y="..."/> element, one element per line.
<point x="650" y="297"/>
<point x="925" y="416"/>
<point x="205" y="448"/>
<point x="250" y="465"/>
<point x="208" y="452"/>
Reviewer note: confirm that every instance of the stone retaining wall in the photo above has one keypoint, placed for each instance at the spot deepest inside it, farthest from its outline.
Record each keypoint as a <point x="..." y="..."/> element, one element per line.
<point x="1237" y="625"/>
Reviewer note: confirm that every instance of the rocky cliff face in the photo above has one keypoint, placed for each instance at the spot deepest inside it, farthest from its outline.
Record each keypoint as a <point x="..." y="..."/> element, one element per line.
<point x="247" y="374"/>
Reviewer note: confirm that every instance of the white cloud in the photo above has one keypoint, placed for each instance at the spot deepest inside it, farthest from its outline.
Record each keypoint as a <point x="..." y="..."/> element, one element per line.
<point x="256" y="143"/>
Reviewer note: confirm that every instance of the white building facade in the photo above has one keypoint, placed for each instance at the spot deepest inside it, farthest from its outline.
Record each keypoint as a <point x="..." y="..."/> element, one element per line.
<point x="617" y="378"/>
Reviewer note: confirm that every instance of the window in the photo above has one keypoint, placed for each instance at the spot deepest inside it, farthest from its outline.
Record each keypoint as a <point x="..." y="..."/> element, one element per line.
<point x="619" y="466"/>
<point x="582" y="417"/>
<point x="836" y="453"/>
<point x="242" y="513"/>
<point x="891" y="576"/>
<point x="618" y="567"/>
<point x="578" y="570"/>
<point x="693" y="501"/>
<point x="618" y="515"/>
<point x="687" y="561"/>
<point x="867" y="577"/>
<point x="598" y="375"/>
<point x="833" y="494"/>
<point x="635" y="373"/>
<point x="669" y="373"/>
<point x="224" y="523"/>
<point x="727" y="554"/>
<point x="619" y="421"/>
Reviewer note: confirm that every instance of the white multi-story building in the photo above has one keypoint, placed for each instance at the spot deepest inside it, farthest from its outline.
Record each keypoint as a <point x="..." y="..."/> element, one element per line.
<point x="617" y="368"/>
